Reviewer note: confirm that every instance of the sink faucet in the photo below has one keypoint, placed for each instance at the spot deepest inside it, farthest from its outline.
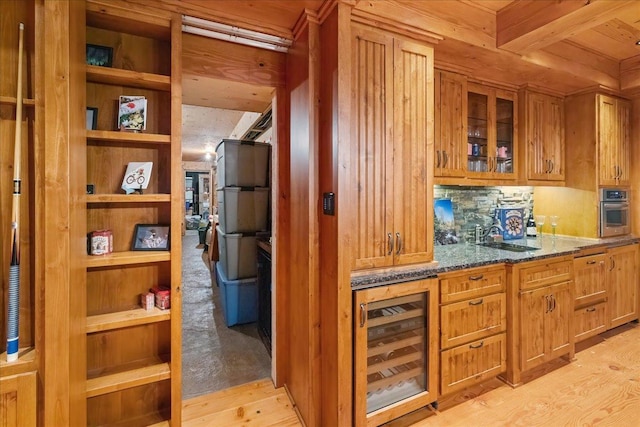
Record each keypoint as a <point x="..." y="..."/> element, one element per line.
<point x="481" y="235"/>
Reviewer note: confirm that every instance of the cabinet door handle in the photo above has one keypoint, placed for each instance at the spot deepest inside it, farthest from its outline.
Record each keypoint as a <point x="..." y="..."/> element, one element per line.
<point x="591" y="309"/>
<point x="390" y="243"/>
<point x="398" y="243"/>
<point x="438" y="158"/>
<point x="479" y="277"/>
<point x="548" y="304"/>
<point x="476" y="302"/>
<point x="445" y="159"/>
<point x="553" y="303"/>
<point x="480" y="344"/>
<point x="552" y="166"/>
<point x="363" y="314"/>
<point x="590" y="262"/>
<point x="619" y="172"/>
<point x="613" y="264"/>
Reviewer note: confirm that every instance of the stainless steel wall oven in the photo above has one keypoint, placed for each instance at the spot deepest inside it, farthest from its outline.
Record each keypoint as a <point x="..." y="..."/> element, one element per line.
<point x="614" y="212"/>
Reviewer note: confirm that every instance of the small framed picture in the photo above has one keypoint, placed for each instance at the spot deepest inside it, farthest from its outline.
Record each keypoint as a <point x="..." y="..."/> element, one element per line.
<point x="132" y="113"/>
<point x="92" y="118"/>
<point x="151" y="237"/>
<point x="99" y="55"/>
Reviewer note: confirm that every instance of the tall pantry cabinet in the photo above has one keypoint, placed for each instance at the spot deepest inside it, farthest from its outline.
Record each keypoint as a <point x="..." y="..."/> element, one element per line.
<point x="133" y="355"/>
<point x="393" y="131"/>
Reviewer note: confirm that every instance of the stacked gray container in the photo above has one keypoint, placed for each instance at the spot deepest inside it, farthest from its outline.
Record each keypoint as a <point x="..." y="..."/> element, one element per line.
<point x="242" y="178"/>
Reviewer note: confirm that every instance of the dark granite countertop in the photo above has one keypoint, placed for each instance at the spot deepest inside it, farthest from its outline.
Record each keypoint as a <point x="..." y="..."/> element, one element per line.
<point x="466" y="255"/>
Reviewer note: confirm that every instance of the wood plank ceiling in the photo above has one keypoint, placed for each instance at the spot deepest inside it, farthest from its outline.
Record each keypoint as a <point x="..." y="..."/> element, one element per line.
<point x="563" y="46"/>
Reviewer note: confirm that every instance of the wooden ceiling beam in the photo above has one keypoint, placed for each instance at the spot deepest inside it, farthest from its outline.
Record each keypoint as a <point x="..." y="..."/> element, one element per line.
<point x="630" y="74"/>
<point x="529" y="25"/>
<point x="578" y="62"/>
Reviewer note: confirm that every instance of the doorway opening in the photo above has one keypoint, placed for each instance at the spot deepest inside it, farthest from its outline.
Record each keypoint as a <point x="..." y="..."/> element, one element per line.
<point x="218" y="350"/>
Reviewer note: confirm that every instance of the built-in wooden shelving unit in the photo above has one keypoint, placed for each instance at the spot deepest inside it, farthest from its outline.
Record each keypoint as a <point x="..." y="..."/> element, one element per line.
<point x="128" y="379"/>
<point x="124" y="319"/>
<point x="116" y="136"/>
<point x="134" y="79"/>
<point x="133" y="355"/>
<point x="127" y="258"/>
<point x="128" y="198"/>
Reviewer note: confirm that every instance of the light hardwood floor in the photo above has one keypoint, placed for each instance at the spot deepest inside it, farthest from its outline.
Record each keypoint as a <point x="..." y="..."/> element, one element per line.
<point x="601" y="387"/>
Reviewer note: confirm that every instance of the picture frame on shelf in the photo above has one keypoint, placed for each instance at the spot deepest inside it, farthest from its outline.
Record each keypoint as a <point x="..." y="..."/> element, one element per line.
<point x="151" y="237"/>
<point x="92" y="118"/>
<point x="101" y="56"/>
<point x="136" y="177"/>
<point x="132" y="113"/>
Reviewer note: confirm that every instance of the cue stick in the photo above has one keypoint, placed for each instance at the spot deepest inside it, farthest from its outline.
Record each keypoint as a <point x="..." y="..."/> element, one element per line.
<point x="13" y="313"/>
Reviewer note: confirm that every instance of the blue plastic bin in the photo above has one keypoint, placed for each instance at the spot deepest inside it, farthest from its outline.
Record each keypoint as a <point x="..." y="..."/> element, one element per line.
<point x="239" y="298"/>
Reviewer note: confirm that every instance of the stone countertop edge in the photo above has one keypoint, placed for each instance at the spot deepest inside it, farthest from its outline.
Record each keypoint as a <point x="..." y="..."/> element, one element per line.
<point x="465" y="255"/>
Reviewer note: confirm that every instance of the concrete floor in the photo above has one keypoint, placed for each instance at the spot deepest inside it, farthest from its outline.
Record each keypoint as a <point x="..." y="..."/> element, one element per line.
<point x="214" y="356"/>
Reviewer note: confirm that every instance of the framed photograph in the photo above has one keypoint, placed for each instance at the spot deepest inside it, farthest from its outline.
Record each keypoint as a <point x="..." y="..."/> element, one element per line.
<point x="132" y="113"/>
<point x="92" y="118"/>
<point x="99" y="55"/>
<point x="151" y="237"/>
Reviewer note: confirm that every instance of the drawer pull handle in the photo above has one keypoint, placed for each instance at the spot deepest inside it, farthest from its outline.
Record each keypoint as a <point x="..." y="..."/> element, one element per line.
<point x="476" y="277"/>
<point x="389" y="243"/>
<point x="476" y="302"/>
<point x="480" y="344"/>
<point x="591" y="309"/>
<point x="590" y="262"/>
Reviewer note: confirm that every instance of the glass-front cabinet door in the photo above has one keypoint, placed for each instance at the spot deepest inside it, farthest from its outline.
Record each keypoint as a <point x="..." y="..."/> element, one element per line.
<point x="491" y="132"/>
<point x="396" y="350"/>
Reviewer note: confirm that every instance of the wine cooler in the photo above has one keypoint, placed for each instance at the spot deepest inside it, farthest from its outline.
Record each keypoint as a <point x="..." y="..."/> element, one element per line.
<point x="396" y="350"/>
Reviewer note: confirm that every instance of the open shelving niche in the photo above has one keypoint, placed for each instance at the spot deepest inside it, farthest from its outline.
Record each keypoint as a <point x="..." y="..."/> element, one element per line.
<point x="133" y="356"/>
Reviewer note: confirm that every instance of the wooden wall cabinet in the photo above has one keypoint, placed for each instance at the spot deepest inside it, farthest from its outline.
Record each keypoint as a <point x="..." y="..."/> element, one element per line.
<point x="491" y="132"/>
<point x="597" y="130"/>
<point x="133" y="354"/>
<point x="613" y="117"/>
<point x="450" y="124"/>
<point x="542" y="133"/>
<point x="395" y="350"/>
<point x="541" y="308"/>
<point x="590" y="304"/>
<point x="622" y="284"/>
<point x="392" y="125"/>
<point x="473" y="323"/>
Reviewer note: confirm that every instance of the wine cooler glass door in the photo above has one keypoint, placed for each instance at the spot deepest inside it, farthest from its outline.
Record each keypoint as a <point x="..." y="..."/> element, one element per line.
<point x="396" y="349"/>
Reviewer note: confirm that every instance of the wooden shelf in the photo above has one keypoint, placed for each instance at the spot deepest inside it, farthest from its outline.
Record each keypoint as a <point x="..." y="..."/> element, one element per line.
<point x="11" y="100"/>
<point x="124" y="319"/>
<point x="128" y="379"/>
<point x="128" y="198"/>
<point x="127" y="258"/>
<point x="119" y="77"/>
<point x="117" y="136"/>
<point x="26" y="362"/>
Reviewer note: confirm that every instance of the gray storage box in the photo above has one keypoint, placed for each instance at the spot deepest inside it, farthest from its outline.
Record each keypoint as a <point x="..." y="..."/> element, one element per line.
<point x="242" y="163"/>
<point x="243" y="209"/>
<point x="238" y="254"/>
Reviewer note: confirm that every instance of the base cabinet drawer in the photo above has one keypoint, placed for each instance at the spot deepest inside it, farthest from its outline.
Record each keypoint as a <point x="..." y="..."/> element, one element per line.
<point x="589" y="321"/>
<point x="472" y="363"/>
<point x="471" y="320"/>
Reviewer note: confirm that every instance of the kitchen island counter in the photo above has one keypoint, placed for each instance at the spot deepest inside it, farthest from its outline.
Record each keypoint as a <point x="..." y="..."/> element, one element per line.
<point x="467" y="255"/>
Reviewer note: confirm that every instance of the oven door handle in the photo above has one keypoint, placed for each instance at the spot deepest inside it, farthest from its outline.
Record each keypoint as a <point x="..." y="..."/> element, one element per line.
<point x="621" y="205"/>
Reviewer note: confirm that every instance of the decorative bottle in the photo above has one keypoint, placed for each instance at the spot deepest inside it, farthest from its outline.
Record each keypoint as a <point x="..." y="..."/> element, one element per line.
<point x="531" y="227"/>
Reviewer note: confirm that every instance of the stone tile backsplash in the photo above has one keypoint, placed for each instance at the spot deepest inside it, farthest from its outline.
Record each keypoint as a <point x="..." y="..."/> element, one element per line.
<point x="476" y="205"/>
